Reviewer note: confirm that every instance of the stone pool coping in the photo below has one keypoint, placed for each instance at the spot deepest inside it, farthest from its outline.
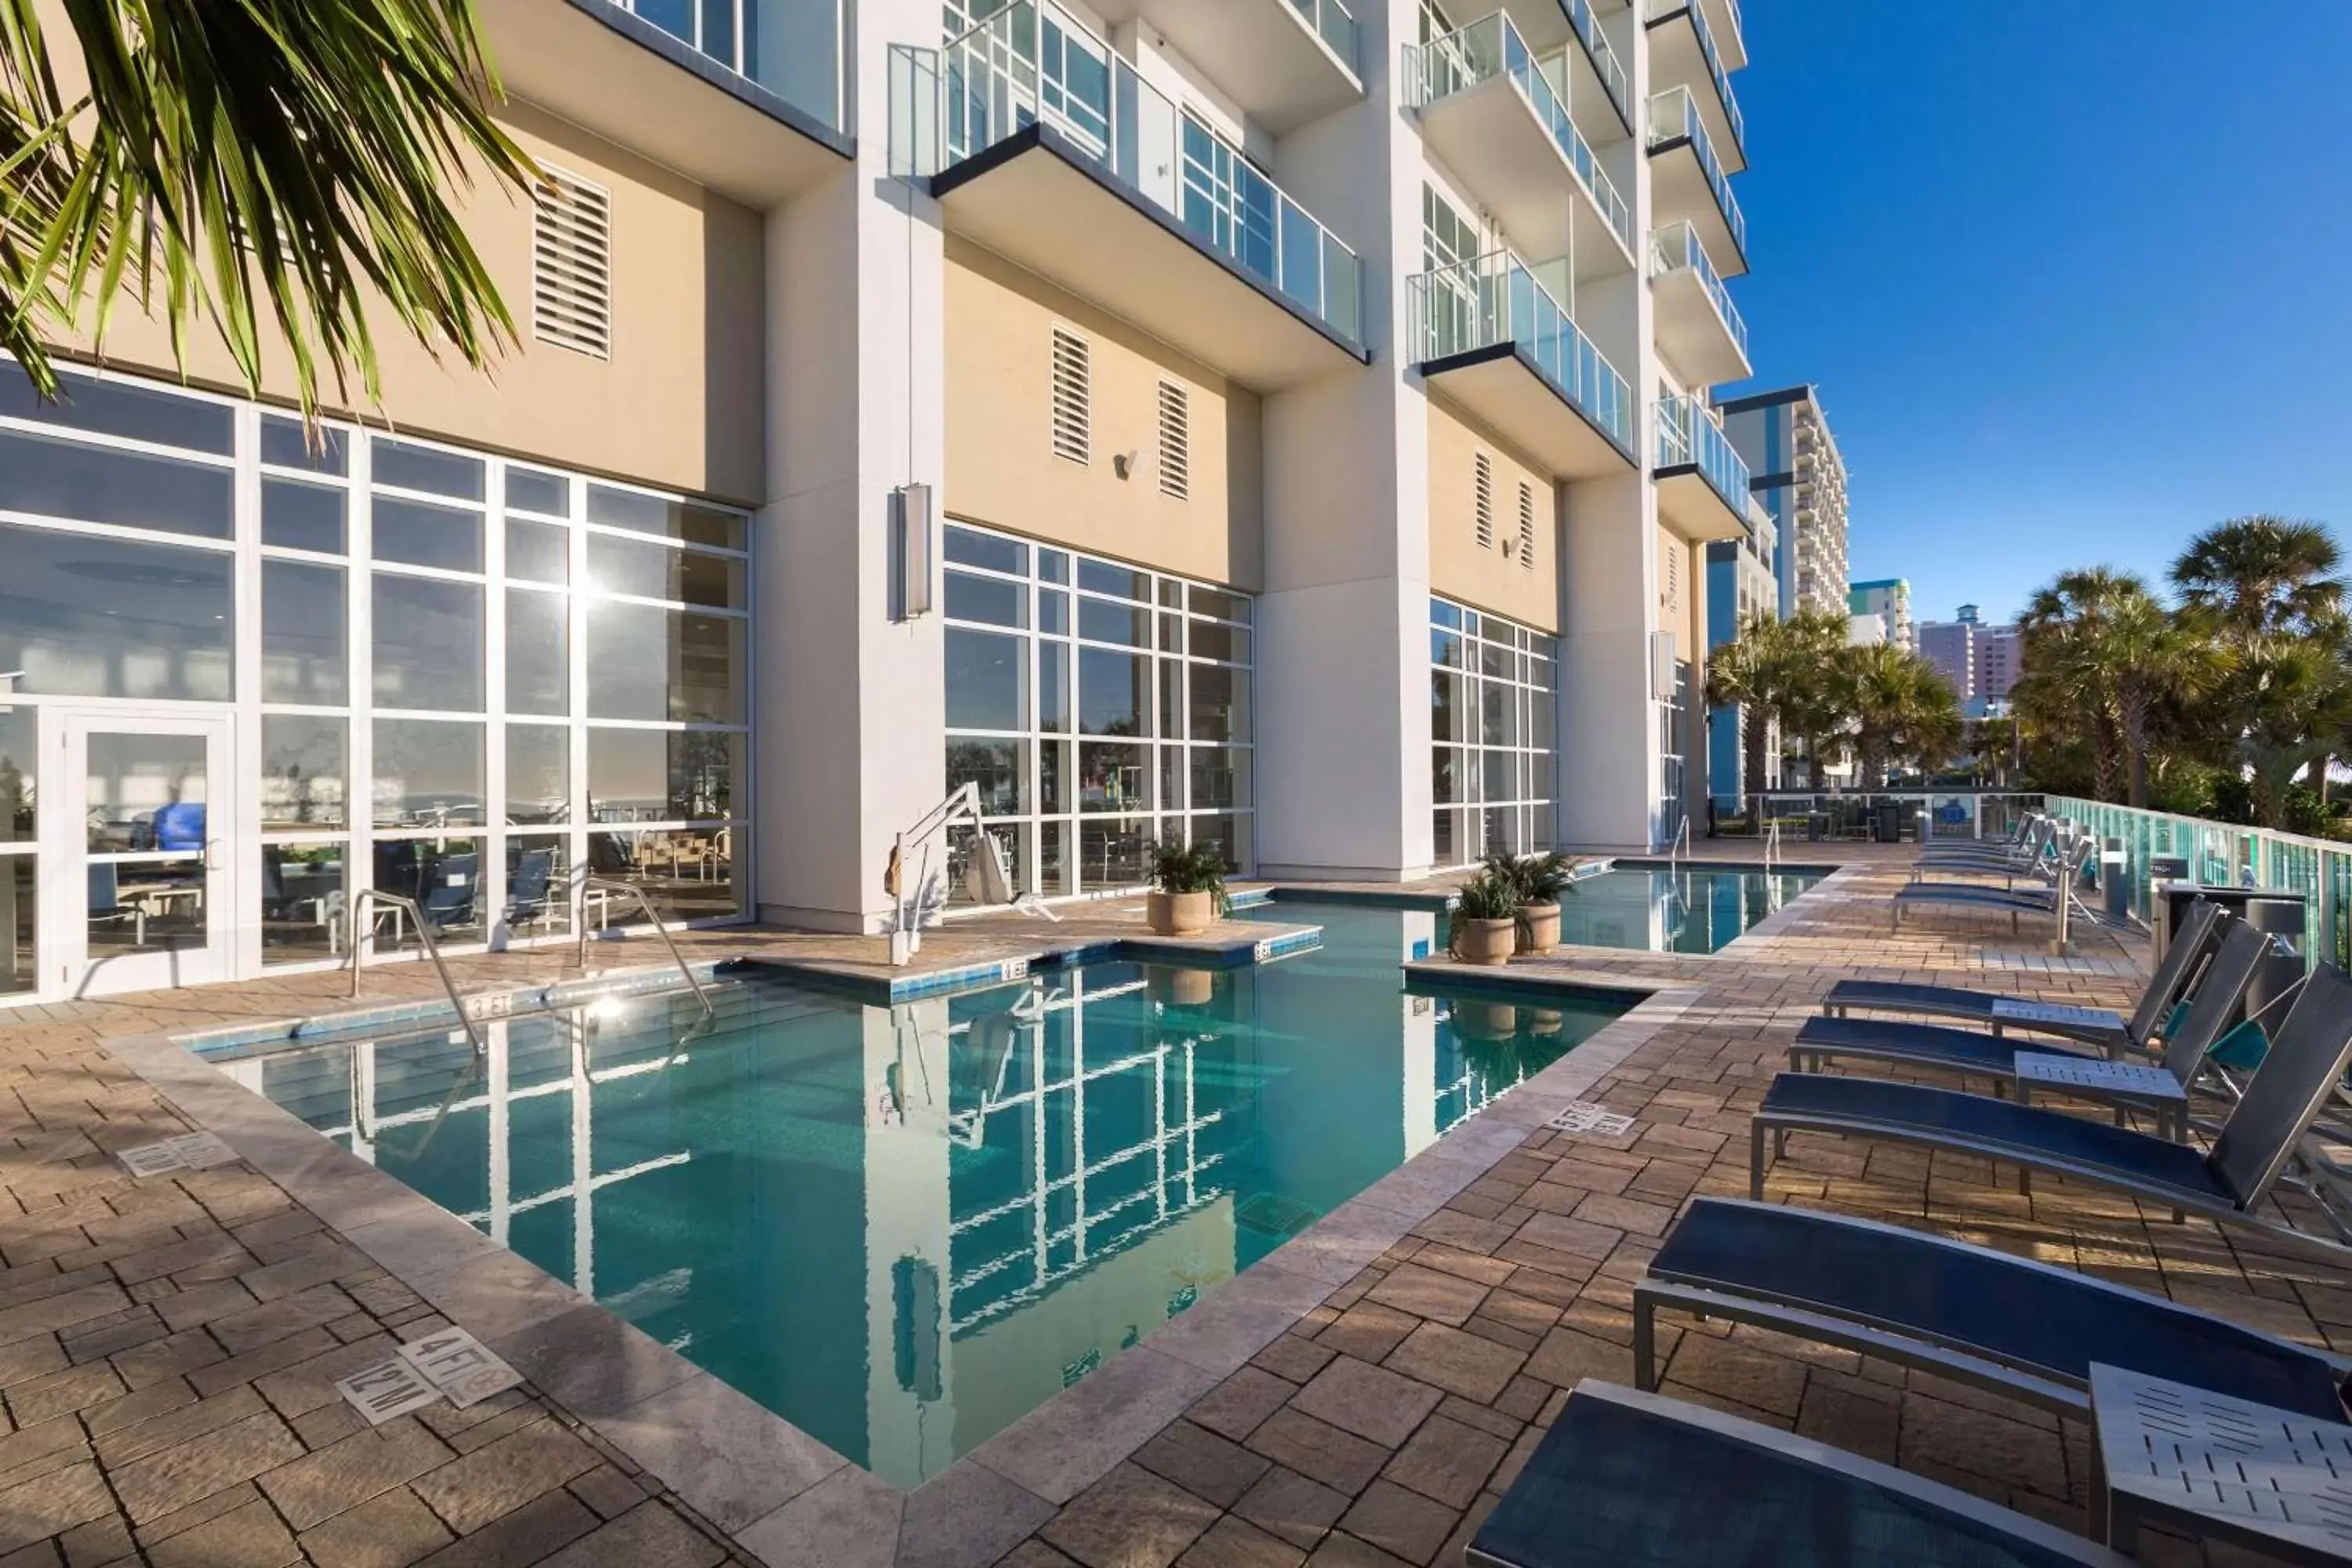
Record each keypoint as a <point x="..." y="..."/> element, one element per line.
<point x="780" y="1493"/>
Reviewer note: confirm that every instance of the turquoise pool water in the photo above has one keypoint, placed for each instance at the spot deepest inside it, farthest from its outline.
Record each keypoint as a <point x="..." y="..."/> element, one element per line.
<point x="1664" y="911"/>
<point x="902" y="1228"/>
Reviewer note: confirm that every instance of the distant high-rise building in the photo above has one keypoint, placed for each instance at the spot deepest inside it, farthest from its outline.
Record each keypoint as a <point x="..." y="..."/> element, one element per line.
<point x="1980" y="661"/>
<point x="1888" y="598"/>
<point x="1797" y="474"/>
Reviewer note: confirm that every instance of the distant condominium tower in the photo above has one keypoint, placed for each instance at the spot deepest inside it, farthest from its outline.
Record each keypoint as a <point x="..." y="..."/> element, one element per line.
<point x="1888" y="598"/>
<point x="1980" y="661"/>
<point x="1799" y="476"/>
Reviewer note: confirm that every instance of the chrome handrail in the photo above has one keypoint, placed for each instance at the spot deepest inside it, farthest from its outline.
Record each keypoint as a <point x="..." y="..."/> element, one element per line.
<point x="614" y="885"/>
<point x="1677" y="844"/>
<point x="363" y="935"/>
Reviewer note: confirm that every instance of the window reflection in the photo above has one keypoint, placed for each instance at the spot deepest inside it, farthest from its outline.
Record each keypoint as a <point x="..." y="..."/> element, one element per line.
<point x="429" y="643"/>
<point x="442" y="876"/>
<point x="302" y="771"/>
<point x="18" y="727"/>
<point x="428" y="773"/>
<point x="303" y="615"/>
<point x="649" y="663"/>
<point x="538" y="772"/>
<point x="304" y="913"/>
<point x="661" y="776"/>
<point x="539" y="652"/>
<point x="689" y="873"/>
<point x="86" y="616"/>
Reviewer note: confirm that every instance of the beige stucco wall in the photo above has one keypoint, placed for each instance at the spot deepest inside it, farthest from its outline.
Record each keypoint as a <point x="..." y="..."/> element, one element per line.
<point x="1458" y="567"/>
<point x="680" y="403"/>
<point x="1001" y="467"/>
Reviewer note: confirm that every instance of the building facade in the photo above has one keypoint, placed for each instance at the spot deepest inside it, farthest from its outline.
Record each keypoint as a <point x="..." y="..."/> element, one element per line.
<point x="1785" y="439"/>
<point x="1270" y="423"/>
<point x="1980" y="661"/>
<point x="1742" y="580"/>
<point x="1950" y="646"/>
<point x="1889" y="599"/>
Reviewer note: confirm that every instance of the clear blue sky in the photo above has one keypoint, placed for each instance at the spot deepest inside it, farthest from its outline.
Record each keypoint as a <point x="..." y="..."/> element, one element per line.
<point x="2074" y="281"/>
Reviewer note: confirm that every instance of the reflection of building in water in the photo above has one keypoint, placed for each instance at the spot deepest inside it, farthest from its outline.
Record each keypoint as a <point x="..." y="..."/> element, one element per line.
<point x="904" y="1228"/>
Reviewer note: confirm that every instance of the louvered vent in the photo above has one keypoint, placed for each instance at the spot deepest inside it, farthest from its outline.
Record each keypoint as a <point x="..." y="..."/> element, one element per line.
<point x="1674" y="596"/>
<point x="1175" y="441"/>
<point x="571" y="264"/>
<point x="1484" y="502"/>
<point x="1527" y="526"/>
<point x="1073" y="395"/>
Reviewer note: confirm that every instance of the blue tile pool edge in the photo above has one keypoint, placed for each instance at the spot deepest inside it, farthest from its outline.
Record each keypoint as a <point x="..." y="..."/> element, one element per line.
<point x="1159" y="1381"/>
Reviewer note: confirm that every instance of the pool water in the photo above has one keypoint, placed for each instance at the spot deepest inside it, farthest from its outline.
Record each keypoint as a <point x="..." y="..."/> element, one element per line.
<point x="904" y="1227"/>
<point x="1660" y="910"/>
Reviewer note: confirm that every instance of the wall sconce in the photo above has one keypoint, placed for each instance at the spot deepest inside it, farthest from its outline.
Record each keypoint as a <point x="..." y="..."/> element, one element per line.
<point x="911" y="532"/>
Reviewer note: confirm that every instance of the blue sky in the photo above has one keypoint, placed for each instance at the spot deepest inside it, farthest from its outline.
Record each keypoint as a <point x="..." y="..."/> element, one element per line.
<point x="2074" y="281"/>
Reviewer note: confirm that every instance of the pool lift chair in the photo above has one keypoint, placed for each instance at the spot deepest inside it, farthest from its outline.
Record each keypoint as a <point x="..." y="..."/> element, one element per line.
<point x="923" y="902"/>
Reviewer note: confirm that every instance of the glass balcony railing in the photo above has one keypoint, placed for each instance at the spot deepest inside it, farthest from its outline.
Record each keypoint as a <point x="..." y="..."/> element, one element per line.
<point x="1604" y="58"/>
<point x="1714" y="58"/>
<point x="1689" y="433"/>
<point x="1032" y="62"/>
<point x="784" y="45"/>
<point x="1676" y="245"/>
<point x="1494" y="299"/>
<point x="1674" y="113"/>
<point x="1485" y="49"/>
<point x="1334" y="24"/>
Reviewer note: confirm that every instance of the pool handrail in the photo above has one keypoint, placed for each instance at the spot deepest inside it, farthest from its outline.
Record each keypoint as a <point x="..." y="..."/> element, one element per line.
<point x="630" y="889"/>
<point x="363" y="935"/>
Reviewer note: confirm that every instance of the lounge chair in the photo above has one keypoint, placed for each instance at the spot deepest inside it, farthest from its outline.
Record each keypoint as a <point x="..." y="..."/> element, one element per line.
<point x="2024" y="1330"/>
<point x="1940" y="1048"/>
<point x="2012" y="902"/>
<point x="2018" y="854"/>
<point x="1627" y="1480"/>
<point x="2000" y="1012"/>
<point x="2309" y="1056"/>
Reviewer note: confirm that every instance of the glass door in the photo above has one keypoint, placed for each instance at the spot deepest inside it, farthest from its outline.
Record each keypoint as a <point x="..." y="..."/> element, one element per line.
<point x="142" y="899"/>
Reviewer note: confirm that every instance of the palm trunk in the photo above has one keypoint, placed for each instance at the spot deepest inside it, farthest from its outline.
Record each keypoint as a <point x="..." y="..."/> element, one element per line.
<point x="1752" y="727"/>
<point x="2135" y="746"/>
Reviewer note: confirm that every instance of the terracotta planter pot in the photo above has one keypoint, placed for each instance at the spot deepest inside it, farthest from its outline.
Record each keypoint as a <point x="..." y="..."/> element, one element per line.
<point x="1539" y="927"/>
<point x="1484" y="942"/>
<point x="1183" y="987"/>
<point x="1180" y="914"/>
<point x="1485" y="1020"/>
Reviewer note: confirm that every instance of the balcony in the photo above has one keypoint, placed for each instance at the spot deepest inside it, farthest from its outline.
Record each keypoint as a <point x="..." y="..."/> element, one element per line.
<point x="1702" y="479"/>
<point x="1598" y="84"/>
<point x="1491" y="339"/>
<point x="1683" y="54"/>
<point x="1723" y="21"/>
<point x="743" y="96"/>
<point x="1689" y="183"/>
<point x="1697" y="326"/>
<point x="1284" y="63"/>
<point x="1045" y="147"/>
<point x="1491" y="109"/>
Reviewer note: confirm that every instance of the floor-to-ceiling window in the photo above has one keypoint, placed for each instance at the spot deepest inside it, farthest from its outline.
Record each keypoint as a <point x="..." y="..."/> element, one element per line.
<point x="1099" y="709"/>
<point x="457" y="679"/>
<point x="1490" y="706"/>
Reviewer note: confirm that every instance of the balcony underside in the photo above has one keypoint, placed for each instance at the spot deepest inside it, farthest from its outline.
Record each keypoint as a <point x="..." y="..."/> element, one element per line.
<point x="1679" y="190"/>
<point x="1691" y="330"/>
<point x="1676" y="61"/>
<point x="1546" y="25"/>
<point x="1038" y="201"/>
<point x="1494" y="144"/>
<point x="1500" y="388"/>
<point x="608" y="71"/>
<point x="1723" y="22"/>
<point x="1689" y="505"/>
<point x="1261" y="54"/>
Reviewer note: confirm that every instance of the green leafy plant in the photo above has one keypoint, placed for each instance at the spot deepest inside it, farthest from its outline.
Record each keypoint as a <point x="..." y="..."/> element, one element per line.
<point x="1489" y="895"/>
<point x="1191" y="868"/>
<point x="1539" y="878"/>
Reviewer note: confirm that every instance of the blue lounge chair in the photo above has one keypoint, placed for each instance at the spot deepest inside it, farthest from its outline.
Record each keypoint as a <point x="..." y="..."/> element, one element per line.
<point x="1627" y="1480"/>
<point x="2013" y="901"/>
<point x="2010" y="1326"/>
<point x="2000" y="1012"/>
<point x="2305" y="1062"/>
<point x="1939" y="1048"/>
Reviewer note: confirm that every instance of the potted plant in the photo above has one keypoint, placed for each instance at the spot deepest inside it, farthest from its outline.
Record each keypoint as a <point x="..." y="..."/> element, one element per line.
<point x="1541" y="881"/>
<point x="1486" y="918"/>
<point x="1188" y="889"/>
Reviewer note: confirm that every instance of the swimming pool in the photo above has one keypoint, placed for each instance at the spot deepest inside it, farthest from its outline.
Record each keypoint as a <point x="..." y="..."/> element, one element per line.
<point x="1660" y="910"/>
<point x="903" y="1227"/>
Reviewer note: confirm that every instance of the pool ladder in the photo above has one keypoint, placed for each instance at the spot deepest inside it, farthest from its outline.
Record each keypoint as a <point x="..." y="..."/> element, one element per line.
<point x="630" y="889"/>
<point x="364" y="936"/>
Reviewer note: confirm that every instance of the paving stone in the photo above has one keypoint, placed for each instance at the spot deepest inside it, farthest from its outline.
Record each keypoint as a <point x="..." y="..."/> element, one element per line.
<point x="178" y="1476"/>
<point x="248" y="1537"/>
<point x="1202" y="1463"/>
<point x="1747" y="1377"/>
<point x="104" y="1540"/>
<point x="1293" y="1506"/>
<point x="1340" y="1460"/>
<point x="471" y="1492"/>
<point x="1340" y="1550"/>
<point x="650" y="1536"/>
<point x="270" y="1321"/>
<point x="1367" y="1331"/>
<point x="1457" y="1361"/>
<point x="174" y="1425"/>
<point x="1403" y="1523"/>
<point x="1369" y="1401"/>
<point x="537" y="1528"/>
<point x="1233" y="1542"/>
<point x="53" y="1502"/>
<point x="1567" y="1356"/>
<point x="1129" y="1519"/>
<point x="608" y="1491"/>
<point x="62" y="1393"/>
<point x="391" y="1531"/>
<point x="1235" y="1407"/>
<point x="1448" y="1461"/>
<point x="1427" y="1293"/>
<point x="370" y="1461"/>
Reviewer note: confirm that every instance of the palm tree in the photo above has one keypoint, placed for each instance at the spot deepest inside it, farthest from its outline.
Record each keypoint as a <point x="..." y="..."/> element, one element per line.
<point x="2292" y="702"/>
<point x="1902" y="709"/>
<point x="2064" y="685"/>
<point x="2261" y="575"/>
<point x="232" y="157"/>
<point x="1752" y="672"/>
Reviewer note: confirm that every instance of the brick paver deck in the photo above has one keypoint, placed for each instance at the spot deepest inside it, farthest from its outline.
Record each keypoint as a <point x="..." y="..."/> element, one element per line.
<point x="167" y="1344"/>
